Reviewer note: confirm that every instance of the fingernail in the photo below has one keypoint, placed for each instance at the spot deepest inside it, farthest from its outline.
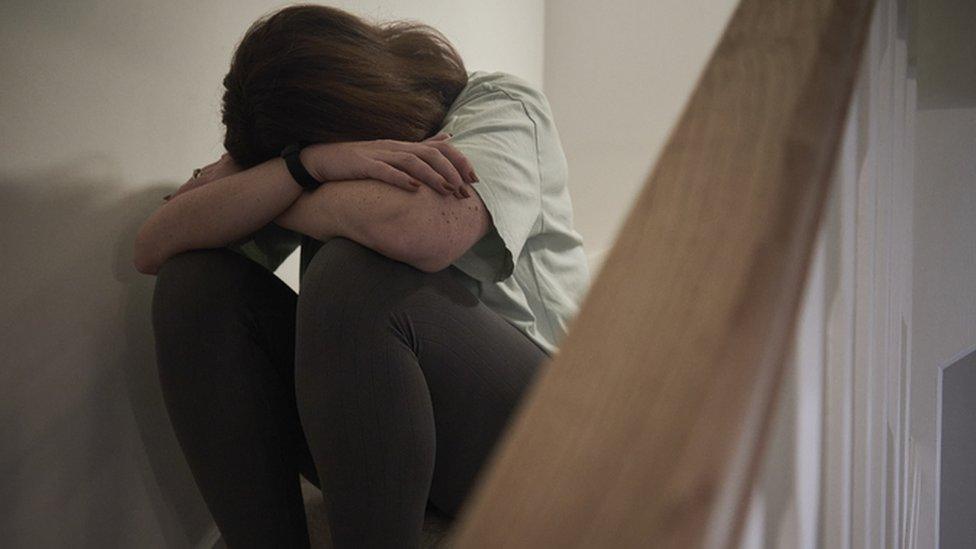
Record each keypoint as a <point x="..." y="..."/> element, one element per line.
<point x="449" y="134"/>
<point x="415" y="183"/>
<point x="167" y="197"/>
<point x="474" y="176"/>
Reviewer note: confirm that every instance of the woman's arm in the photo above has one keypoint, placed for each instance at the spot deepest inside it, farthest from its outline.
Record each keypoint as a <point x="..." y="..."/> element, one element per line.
<point x="375" y="212"/>
<point x="422" y="228"/>
<point x="216" y="214"/>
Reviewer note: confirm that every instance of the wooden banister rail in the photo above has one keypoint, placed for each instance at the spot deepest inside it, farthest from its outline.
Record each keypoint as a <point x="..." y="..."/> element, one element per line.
<point x="646" y="427"/>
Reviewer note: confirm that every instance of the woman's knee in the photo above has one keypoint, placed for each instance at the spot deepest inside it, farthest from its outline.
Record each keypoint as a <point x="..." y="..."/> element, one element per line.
<point x="343" y="257"/>
<point x="347" y="283"/>
<point x="199" y="284"/>
<point x="342" y="271"/>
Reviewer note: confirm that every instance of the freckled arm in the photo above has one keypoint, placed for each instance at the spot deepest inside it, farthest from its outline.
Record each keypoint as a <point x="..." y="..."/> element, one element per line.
<point x="422" y="228"/>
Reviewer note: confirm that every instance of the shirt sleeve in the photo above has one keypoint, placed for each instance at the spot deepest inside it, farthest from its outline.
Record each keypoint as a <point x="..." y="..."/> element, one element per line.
<point x="498" y="136"/>
<point x="269" y="246"/>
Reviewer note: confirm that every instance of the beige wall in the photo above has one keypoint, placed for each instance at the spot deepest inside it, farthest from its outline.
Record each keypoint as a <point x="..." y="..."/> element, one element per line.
<point x="106" y="106"/>
<point x="617" y="76"/>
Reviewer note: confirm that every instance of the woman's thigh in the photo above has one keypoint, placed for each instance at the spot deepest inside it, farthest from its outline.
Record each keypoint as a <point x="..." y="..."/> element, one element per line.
<point x="225" y="328"/>
<point x="478" y="367"/>
<point x="359" y="308"/>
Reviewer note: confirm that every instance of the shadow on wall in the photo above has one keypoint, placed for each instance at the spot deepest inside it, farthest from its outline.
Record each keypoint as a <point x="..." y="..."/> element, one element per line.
<point x="90" y="459"/>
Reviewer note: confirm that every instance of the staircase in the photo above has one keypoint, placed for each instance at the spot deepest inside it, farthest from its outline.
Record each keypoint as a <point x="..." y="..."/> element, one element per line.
<point x="735" y="375"/>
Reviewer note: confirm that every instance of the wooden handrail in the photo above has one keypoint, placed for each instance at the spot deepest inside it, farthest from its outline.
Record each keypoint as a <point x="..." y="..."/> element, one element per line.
<point x="646" y="427"/>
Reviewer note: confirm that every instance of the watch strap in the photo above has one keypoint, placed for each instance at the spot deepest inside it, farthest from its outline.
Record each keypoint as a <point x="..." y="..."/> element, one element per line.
<point x="293" y="161"/>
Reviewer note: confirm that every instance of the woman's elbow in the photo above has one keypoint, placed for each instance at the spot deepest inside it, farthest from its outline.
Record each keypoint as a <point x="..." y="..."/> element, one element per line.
<point x="145" y="265"/>
<point x="415" y="248"/>
<point x="431" y="256"/>
<point x="430" y="264"/>
<point x="144" y="255"/>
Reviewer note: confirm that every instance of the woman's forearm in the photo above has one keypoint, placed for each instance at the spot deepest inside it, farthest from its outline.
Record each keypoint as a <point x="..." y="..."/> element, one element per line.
<point x="422" y="228"/>
<point x="216" y="214"/>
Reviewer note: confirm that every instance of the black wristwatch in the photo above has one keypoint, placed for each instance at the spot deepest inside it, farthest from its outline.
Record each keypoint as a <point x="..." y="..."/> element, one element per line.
<point x="295" y="167"/>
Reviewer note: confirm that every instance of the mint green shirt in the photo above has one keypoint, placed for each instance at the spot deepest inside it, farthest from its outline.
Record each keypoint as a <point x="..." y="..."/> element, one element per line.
<point x="530" y="267"/>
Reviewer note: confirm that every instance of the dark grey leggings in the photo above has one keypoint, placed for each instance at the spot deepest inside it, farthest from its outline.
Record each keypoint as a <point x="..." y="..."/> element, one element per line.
<point x="385" y="386"/>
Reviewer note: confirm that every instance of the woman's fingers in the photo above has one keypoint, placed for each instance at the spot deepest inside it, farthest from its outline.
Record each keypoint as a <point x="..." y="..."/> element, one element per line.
<point x="432" y="167"/>
<point x="442" y="148"/>
<point x="418" y="168"/>
<point x="385" y="172"/>
<point x="209" y="167"/>
<point x="432" y="155"/>
<point x="189" y="185"/>
<point x="433" y="162"/>
<point x="457" y="159"/>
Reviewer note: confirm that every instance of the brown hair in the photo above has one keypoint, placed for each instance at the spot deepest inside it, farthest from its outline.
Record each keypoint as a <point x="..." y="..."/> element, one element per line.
<point x="319" y="74"/>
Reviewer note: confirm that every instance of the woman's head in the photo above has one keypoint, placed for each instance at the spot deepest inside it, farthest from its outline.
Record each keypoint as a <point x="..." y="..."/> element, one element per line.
<point x="320" y="74"/>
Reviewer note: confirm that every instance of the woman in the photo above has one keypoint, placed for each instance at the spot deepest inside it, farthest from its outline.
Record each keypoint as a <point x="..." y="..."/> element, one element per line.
<point x="439" y="269"/>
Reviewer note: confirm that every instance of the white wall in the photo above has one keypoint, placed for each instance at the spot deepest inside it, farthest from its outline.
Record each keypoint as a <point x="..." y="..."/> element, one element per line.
<point x="944" y="307"/>
<point x="617" y="76"/>
<point x="107" y="106"/>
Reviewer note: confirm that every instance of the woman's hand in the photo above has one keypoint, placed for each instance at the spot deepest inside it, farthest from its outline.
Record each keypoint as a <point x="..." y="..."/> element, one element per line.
<point x="404" y="164"/>
<point x="223" y="167"/>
